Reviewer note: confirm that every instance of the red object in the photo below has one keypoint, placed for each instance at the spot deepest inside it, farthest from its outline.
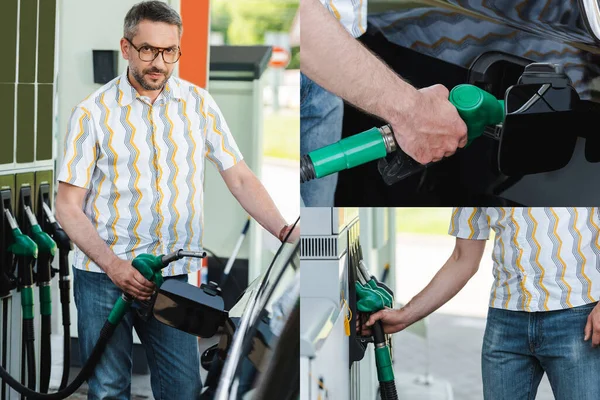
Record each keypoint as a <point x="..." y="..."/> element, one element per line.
<point x="193" y="65"/>
<point x="280" y="58"/>
<point x="204" y="265"/>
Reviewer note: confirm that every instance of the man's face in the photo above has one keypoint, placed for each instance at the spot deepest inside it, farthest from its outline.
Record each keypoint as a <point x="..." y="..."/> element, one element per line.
<point x="151" y="75"/>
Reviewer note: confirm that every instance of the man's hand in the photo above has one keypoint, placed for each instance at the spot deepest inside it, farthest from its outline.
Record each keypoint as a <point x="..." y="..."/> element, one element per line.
<point x="429" y="128"/>
<point x="392" y="321"/>
<point x="592" y="328"/>
<point x="130" y="280"/>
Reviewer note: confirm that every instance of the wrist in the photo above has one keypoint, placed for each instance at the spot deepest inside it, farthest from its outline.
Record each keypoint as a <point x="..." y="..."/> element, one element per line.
<point x="283" y="232"/>
<point x="398" y="107"/>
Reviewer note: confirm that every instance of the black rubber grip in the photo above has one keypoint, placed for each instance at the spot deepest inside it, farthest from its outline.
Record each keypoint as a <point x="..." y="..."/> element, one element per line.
<point x="388" y="390"/>
<point x="307" y="169"/>
<point x="28" y="332"/>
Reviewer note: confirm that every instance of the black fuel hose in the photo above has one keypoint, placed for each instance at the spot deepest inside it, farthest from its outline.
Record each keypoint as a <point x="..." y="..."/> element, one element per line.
<point x="4" y="340"/>
<point x="66" y="341"/>
<point x="29" y="348"/>
<point x="45" y="354"/>
<point x="44" y="278"/>
<point x="105" y="334"/>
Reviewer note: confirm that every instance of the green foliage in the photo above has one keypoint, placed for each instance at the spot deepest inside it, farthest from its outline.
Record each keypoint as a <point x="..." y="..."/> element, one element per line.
<point x="220" y="17"/>
<point x="295" y="61"/>
<point x="428" y="220"/>
<point x="244" y="22"/>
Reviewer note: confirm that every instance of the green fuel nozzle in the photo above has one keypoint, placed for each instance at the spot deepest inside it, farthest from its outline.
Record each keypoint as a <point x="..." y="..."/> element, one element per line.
<point x="150" y="267"/>
<point x="25" y="248"/>
<point x="44" y="242"/>
<point x="475" y="106"/>
<point x="372" y="298"/>
<point x="22" y="244"/>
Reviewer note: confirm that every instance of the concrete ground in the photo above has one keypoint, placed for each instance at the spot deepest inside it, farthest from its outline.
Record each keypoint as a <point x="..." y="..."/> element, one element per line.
<point x="450" y="350"/>
<point x="140" y="383"/>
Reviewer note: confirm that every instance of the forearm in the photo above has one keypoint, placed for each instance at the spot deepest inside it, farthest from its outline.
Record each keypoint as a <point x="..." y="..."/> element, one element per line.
<point x="336" y="61"/>
<point x="253" y="197"/>
<point x="81" y="231"/>
<point x="448" y="281"/>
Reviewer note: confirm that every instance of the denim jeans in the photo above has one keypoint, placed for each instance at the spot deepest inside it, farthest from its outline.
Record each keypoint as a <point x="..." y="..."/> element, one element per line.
<point x="518" y="347"/>
<point x="172" y="355"/>
<point x="321" y="115"/>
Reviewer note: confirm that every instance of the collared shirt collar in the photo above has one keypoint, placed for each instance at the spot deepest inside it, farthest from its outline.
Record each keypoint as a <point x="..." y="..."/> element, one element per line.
<point x="127" y="93"/>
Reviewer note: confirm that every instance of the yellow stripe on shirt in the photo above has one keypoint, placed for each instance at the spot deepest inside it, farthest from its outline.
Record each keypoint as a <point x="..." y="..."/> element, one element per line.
<point x="335" y="10"/>
<point x="116" y="172"/>
<point x="136" y="181"/>
<point x="509" y="275"/>
<point x="562" y="262"/>
<point x="79" y="135"/>
<point x="537" y="259"/>
<point x="471" y="217"/>
<point x="526" y="294"/>
<point x="582" y="256"/>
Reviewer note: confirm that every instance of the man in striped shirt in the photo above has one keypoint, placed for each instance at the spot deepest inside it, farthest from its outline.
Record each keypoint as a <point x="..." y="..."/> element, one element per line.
<point x="426" y="125"/>
<point x="542" y="304"/>
<point x="132" y="183"/>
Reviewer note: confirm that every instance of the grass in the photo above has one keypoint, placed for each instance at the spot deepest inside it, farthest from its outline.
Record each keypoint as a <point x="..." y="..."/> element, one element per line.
<point x="423" y="220"/>
<point x="282" y="135"/>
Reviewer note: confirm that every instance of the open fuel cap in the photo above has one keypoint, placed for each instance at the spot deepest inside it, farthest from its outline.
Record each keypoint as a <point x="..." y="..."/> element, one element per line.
<point x="545" y="73"/>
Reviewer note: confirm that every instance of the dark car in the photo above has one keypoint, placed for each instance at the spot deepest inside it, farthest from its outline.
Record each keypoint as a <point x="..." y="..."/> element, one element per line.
<point x="540" y="57"/>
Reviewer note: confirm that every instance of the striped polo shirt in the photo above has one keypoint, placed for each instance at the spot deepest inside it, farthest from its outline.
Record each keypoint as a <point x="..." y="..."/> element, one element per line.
<point x="143" y="166"/>
<point x="544" y="258"/>
<point x="352" y="14"/>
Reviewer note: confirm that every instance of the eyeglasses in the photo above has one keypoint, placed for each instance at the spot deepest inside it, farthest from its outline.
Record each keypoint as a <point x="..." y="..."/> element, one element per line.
<point x="170" y="55"/>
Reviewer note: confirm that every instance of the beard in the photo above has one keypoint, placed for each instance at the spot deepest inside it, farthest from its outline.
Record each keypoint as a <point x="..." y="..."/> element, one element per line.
<point x="139" y="77"/>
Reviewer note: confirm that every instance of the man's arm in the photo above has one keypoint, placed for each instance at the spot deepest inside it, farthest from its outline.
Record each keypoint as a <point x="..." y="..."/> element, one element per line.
<point x="450" y="279"/>
<point x="69" y="214"/>
<point x="425" y="124"/>
<point x="253" y="197"/>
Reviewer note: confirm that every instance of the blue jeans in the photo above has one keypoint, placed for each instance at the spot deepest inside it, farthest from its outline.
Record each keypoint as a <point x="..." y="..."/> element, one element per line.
<point x="518" y="347"/>
<point x="172" y="355"/>
<point x="321" y="115"/>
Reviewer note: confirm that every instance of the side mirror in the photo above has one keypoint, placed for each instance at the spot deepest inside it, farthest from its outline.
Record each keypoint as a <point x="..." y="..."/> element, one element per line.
<point x="195" y="310"/>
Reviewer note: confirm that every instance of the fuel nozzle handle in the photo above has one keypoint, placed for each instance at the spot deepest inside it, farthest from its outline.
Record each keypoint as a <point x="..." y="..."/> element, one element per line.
<point x="44" y="242"/>
<point x="22" y="244"/>
<point x="150" y="267"/>
<point x="475" y="106"/>
<point x="347" y="153"/>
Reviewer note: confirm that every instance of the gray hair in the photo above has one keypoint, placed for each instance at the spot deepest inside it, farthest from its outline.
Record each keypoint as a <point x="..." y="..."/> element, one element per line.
<point x="155" y="11"/>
